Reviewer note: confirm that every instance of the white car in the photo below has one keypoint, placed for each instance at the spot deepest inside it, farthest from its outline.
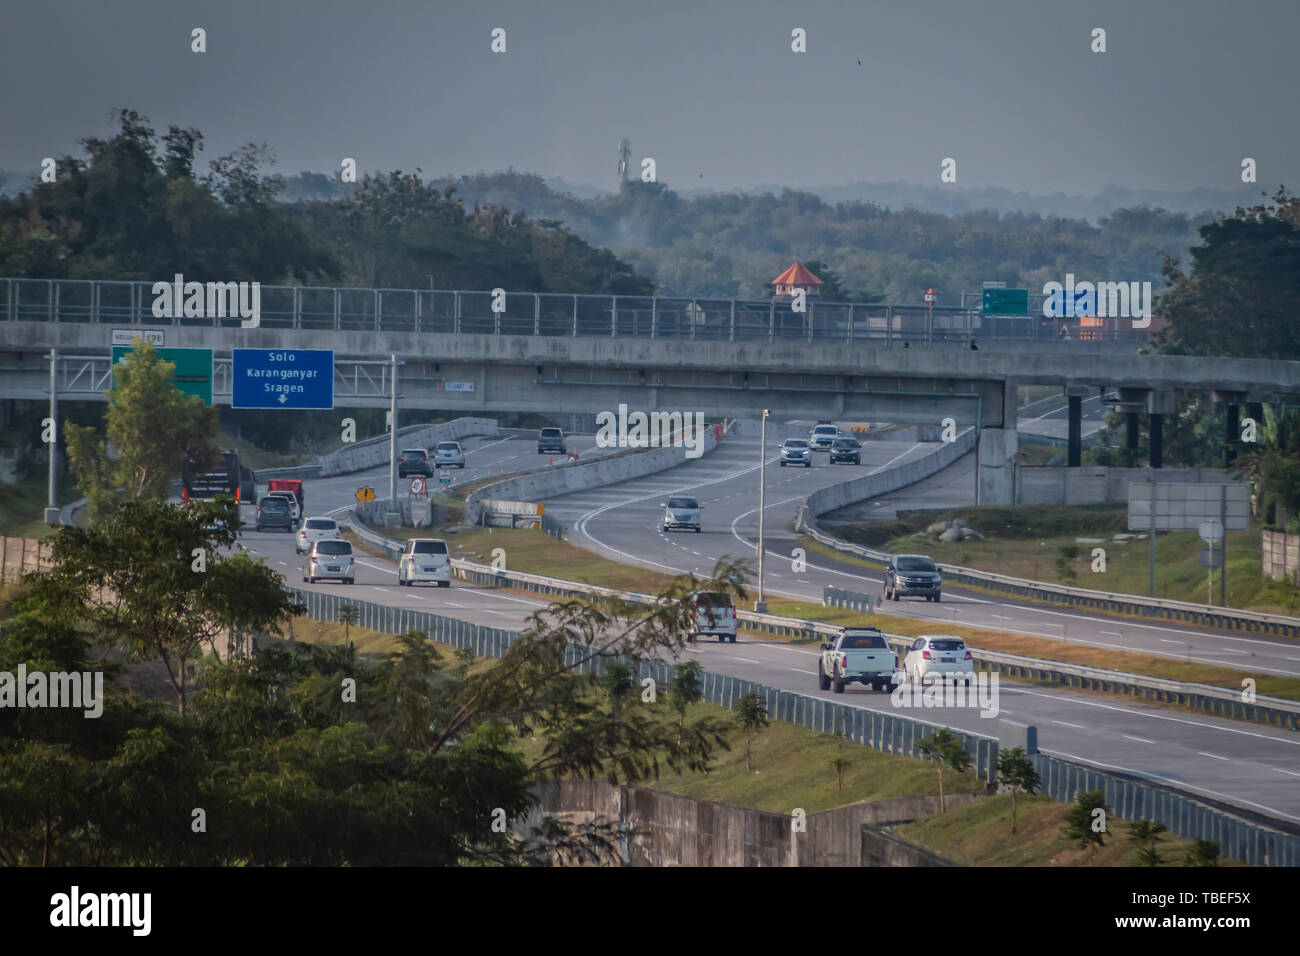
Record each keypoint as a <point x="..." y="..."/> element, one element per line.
<point x="449" y="454"/>
<point x="715" y="615"/>
<point x="330" y="559"/>
<point x="317" y="529"/>
<point x="294" y="509"/>
<point x="822" y="437"/>
<point x="424" y="559"/>
<point x="939" y="656"/>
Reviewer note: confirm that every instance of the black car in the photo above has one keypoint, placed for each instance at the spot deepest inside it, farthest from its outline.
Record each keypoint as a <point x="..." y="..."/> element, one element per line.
<point x="847" y="450"/>
<point x="414" y="461"/>
<point x="274" y="512"/>
<point x="912" y="575"/>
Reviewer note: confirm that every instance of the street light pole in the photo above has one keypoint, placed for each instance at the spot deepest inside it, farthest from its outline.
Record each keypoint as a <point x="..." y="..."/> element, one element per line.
<point x="760" y="606"/>
<point x="392" y="442"/>
<point x="51" y="504"/>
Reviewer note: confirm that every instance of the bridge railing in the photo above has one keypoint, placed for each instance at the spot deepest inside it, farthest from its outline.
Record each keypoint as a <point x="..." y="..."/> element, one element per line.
<point x="541" y="313"/>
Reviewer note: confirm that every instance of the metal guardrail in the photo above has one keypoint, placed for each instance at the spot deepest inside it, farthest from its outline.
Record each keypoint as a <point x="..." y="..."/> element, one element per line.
<point x="1238" y="836"/>
<point x="1180" y="611"/>
<point x="345" y="309"/>
<point x="1274" y="711"/>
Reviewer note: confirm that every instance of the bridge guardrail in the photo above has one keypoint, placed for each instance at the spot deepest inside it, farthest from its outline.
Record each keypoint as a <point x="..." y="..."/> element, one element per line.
<point x="1181" y="611"/>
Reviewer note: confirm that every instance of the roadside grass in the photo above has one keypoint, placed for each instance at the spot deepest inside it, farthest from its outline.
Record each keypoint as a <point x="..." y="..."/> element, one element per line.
<point x="22" y="507"/>
<point x="251" y="456"/>
<point x="1026" y="542"/>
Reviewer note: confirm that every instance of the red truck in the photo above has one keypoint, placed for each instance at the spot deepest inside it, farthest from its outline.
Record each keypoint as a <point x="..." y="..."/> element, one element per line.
<point x="291" y="485"/>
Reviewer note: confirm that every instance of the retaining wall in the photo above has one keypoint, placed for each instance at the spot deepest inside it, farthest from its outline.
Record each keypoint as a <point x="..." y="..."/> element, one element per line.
<point x="1098" y="485"/>
<point x="870" y="486"/>
<point x="1279" y="555"/>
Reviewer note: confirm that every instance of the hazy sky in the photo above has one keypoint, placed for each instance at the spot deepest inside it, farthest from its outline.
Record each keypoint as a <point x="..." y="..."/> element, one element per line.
<point x="1010" y="89"/>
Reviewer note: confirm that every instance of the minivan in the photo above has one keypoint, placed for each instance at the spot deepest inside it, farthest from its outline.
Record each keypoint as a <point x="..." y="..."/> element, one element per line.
<point x="681" y="512"/>
<point x="550" y="439"/>
<point x="424" y="559"/>
<point x="714" y="614"/>
<point x="273" y="511"/>
<point x="330" y="559"/>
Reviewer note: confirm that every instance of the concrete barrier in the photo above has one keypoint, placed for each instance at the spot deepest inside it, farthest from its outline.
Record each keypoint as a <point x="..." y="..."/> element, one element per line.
<point x="374" y="452"/>
<point x="870" y="486"/>
<point x="554" y="481"/>
<point x="1096" y="485"/>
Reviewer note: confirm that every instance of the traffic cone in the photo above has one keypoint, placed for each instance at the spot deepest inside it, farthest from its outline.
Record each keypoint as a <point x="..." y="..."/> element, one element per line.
<point x="550" y="461"/>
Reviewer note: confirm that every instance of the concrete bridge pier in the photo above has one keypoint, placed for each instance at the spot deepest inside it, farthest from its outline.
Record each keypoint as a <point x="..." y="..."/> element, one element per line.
<point x="1159" y="404"/>
<point x="1075" y="395"/>
<point x="995" y="451"/>
<point x="1232" y="402"/>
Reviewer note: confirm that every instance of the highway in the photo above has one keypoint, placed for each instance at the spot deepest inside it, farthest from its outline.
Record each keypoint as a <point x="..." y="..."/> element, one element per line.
<point x="1254" y="767"/>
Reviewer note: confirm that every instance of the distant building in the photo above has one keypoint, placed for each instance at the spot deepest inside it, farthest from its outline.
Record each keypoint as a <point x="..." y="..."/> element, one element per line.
<point x="795" y="278"/>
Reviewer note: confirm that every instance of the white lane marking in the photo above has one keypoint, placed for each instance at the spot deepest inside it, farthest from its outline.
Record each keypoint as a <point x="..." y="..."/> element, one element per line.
<point x="1165" y="640"/>
<point x="1215" y="756"/>
<point x="1291" y="772"/>
<point x="1111" y="633"/>
<point x="1139" y="739"/>
<point x="747" y="660"/>
<point x="1066" y="723"/>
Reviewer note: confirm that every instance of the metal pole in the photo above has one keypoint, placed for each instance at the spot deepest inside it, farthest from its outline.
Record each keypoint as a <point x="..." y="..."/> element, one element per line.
<point x="760" y="606"/>
<point x="51" y="506"/>
<point x="392" y="440"/>
<point x="1152" y="535"/>
<point x="1223" y="523"/>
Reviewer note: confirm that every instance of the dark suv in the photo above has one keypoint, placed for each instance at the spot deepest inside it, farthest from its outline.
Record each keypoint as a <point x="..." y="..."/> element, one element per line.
<point x="550" y="439"/>
<point x="846" y="450"/>
<point x="414" y="461"/>
<point x="912" y="575"/>
<point x="274" y="512"/>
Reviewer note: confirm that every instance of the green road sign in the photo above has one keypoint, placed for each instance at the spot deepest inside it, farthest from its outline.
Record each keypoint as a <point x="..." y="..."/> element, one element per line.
<point x="1006" y="302"/>
<point x="193" y="369"/>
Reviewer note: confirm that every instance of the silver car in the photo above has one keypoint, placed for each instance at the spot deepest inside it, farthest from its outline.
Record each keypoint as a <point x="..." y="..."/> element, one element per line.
<point x="681" y="512"/>
<point x="330" y="559"/>
<point x="822" y="437"/>
<point x="449" y="454"/>
<point x="795" y="451"/>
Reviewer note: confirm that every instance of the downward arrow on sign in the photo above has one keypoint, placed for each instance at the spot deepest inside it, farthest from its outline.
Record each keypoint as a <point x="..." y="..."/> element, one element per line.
<point x="283" y="398"/>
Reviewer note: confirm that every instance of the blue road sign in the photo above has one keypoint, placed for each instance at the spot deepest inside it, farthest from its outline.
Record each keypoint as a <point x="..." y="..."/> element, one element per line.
<point x="282" y="378"/>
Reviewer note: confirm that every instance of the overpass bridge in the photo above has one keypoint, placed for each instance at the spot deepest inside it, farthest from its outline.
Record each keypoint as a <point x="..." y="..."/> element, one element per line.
<point x="469" y="362"/>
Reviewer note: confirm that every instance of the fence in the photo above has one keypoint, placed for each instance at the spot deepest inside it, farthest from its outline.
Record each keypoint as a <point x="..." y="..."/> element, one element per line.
<point x="316" y="308"/>
<point x="1063" y="780"/>
<point x="19" y="556"/>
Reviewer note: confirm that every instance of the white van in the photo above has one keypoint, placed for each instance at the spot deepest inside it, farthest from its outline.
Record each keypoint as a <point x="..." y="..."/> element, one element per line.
<point x="715" y="614"/>
<point x="424" y="559"/>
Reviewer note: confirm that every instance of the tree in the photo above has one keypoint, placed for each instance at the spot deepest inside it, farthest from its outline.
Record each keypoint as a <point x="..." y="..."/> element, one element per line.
<point x="154" y="432"/>
<point x="1237" y="299"/>
<point x="752" y="717"/>
<point x="1145" y="834"/>
<point x="1016" y="771"/>
<point x="1087" y="820"/>
<point x="348" y="615"/>
<point x="685" y="690"/>
<point x="1202" y="853"/>
<point x="946" y="749"/>
<point x="150" y="579"/>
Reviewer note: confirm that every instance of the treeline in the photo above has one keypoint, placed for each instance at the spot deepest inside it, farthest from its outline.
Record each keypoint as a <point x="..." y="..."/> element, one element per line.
<point x="136" y="207"/>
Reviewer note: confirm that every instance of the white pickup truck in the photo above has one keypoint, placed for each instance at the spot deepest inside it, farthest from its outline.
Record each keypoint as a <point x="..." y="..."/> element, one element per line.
<point x="859" y="655"/>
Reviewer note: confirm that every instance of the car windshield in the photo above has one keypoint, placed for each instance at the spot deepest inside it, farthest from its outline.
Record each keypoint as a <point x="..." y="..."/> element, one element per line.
<point x="858" y="641"/>
<point x="712" y="599"/>
<point x="412" y="452"/>
<point x="448" y="446"/>
<point x="274" y="504"/>
<point x="799" y="443"/>
<point x="430" y="547"/>
<point x="321" y="524"/>
<point x="947" y="645"/>
<point x="825" y="430"/>
<point x="688" y="503"/>
<point x="333" y="547"/>
<point x="915" y="564"/>
<point x="844" y="443"/>
<point x="550" y="433"/>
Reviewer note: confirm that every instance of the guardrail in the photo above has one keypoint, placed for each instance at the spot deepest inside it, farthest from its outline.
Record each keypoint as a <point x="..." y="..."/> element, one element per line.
<point x="1240" y="835"/>
<point x="1180" y="611"/>
<point x="344" y="309"/>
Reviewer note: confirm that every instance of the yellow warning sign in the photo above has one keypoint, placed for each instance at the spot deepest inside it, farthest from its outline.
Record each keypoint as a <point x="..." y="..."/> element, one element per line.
<point x="366" y="494"/>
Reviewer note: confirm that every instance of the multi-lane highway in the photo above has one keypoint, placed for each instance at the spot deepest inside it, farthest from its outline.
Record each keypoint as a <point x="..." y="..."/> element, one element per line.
<point x="1254" y="767"/>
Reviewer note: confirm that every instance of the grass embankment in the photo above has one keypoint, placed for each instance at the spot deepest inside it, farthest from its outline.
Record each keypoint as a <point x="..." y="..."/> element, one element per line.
<point x="792" y="768"/>
<point x="22" y="509"/>
<point x="1025" y="542"/>
<point x="250" y="456"/>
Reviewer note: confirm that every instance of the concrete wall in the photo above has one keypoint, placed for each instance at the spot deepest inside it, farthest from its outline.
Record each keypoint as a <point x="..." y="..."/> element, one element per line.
<point x="882" y="849"/>
<point x="1279" y="555"/>
<point x="996" y="484"/>
<point x="667" y="829"/>
<point x="1096" y="485"/>
<point x="555" y="481"/>
<point x="375" y="451"/>
<point x="870" y="486"/>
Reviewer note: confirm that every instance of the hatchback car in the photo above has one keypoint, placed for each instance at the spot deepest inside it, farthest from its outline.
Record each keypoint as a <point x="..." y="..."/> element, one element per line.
<point x="274" y="512"/>
<point x="846" y="451"/>
<point x="449" y="454"/>
<point x="317" y="529"/>
<point x="330" y="559"/>
<point x="822" y="437"/>
<point x="938" y="656"/>
<point x="681" y="512"/>
<point x="550" y="439"/>
<point x="715" y="614"/>
<point x="424" y="559"/>
<point x="795" y="451"/>
<point x="414" y="461"/>
<point x="912" y="575"/>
